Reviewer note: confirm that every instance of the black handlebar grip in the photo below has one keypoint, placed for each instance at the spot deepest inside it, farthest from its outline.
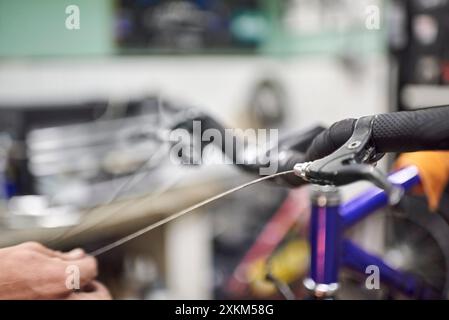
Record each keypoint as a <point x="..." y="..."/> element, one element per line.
<point x="330" y="140"/>
<point x="424" y="129"/>
<point x="406" y="131"/>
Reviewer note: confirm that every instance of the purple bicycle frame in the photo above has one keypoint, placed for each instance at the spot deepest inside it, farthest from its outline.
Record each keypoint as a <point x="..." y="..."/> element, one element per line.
<point x="330" y="251"/>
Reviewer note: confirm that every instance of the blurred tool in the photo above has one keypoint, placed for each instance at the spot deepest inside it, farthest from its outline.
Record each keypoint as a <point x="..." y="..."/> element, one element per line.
<point x="69" y="157"/>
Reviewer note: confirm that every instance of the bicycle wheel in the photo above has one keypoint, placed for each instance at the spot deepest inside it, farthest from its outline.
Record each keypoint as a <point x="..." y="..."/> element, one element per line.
<point x="417" y="241"/>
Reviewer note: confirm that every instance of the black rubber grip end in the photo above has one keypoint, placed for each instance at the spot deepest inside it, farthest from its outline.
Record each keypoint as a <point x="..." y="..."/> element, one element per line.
<point x="424" y="129"/>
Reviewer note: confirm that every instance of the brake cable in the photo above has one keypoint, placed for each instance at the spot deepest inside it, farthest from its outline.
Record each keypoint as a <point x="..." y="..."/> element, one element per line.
<point x="179" y="214"/>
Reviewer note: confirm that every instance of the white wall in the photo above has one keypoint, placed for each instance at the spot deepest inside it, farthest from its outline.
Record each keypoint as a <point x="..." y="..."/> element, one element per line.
<point x="319" y="88"/>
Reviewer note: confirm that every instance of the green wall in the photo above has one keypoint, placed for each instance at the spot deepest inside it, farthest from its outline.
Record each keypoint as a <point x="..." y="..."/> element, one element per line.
<point x="37" y="27"/>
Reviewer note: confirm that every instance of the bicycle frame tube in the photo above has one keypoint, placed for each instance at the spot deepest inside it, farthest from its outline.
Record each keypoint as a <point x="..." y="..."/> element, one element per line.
<point x="329" y="251"/>
<point x="374" y="199"/>
<point x="325" y="241"/>
<point x="357" y="259"/>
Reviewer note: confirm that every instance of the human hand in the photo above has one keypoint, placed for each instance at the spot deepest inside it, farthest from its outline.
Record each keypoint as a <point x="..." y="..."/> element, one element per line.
<point x="32" y="271"/>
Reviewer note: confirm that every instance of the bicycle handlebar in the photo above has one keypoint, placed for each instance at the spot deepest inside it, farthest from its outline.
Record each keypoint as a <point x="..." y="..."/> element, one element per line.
<point x="290" y="151"/>
<point x="406" y="131"/>
<point x="424" y="129"/>
<point x="345" y="151"/>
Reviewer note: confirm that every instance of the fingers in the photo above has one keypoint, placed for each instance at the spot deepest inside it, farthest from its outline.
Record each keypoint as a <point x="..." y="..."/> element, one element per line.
<point x="93" y="291"/>
<point x="85" y="266"/>
<point x="74" y="254"/>
<point x="58" y="278"/>
<point x="36" y="272"/>
<point x="86" y="269"/>
<point x="37" y="247"/>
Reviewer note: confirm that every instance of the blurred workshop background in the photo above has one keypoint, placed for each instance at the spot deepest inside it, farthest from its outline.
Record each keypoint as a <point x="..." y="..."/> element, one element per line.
<point x="86" y="87"/>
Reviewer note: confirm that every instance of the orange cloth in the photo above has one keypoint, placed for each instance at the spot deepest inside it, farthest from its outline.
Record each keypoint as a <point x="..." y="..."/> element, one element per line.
<point x="433" y="169"/>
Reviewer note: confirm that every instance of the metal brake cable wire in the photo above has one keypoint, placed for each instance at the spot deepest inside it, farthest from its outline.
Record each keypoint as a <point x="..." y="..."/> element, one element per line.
<point x="179" y="214"/>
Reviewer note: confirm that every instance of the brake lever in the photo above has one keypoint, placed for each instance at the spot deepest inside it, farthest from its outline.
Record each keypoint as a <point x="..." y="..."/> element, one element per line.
<point x="354" y="161"/>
